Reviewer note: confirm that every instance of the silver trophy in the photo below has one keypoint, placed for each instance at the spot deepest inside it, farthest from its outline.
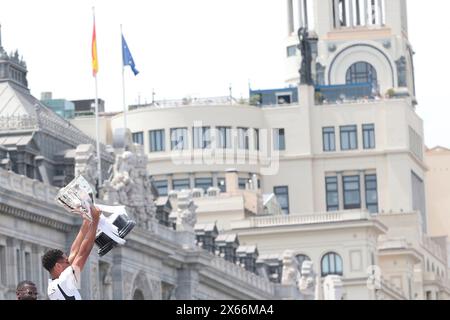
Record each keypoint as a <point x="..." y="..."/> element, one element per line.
<point x="78" y="197"/>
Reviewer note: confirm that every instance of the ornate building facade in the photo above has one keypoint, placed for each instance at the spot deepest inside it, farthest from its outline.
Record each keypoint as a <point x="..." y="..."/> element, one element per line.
<point x="325" y="186"/>
<point x="343" y="153"/>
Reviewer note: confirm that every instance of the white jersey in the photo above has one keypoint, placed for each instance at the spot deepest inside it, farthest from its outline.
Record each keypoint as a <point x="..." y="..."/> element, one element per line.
<point x="64" y="287"/>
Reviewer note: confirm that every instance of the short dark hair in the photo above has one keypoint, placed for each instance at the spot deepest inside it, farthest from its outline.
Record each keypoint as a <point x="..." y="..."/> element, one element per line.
<point x="25" y="283"/>
<point x="26" y="290"/>
<point x="50" y="258"/>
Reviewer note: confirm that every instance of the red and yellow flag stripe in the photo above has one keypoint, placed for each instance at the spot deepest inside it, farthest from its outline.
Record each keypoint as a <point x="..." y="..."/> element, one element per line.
<point x="94" y="53"/>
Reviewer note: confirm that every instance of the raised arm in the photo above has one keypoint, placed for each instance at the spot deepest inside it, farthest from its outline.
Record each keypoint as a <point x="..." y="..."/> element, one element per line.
<point x="78" y="240"/>
<point x="88" y="242"/>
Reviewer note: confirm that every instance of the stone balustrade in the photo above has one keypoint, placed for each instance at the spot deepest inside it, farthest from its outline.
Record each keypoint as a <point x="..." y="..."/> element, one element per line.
<point x="243" y="275"/>
<point x="11" y="181"/>
<point x="14" y="123"/>
<point x="339" y="216"/>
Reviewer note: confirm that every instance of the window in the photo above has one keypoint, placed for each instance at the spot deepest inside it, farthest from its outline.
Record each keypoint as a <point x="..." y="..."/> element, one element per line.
<point x="243" y="138"/>
<point x="242" y="182"/>
<point x="352" y="195"/>
<point x="256" y="139"/>
<point x="221" y="184"/>
<point x="138" y="137"/>
<point x="282" y="194"/>
<point x="291" y="51"/>
<point x="329" y="139"/>
<point x="284" y="98"/>
<point x="371" y="193"/>
<point x="179" y="138"/>
<point x="223" y="137"/>
<point x="181" y="184"/>
<point x="332" y="193"/>
<point x="202" y="137"/>
<point x="361" y="72"/>
<point x="368" y="136"/>
<point x="302" y="258"/>
<point x="331" y="264"/>
<point x="349" y="138"/>
<point x="203" y="183"/>
<point x="157" y="141"/>
<point x="279" y="142"/>
<point x="415" y="143"/>
<point x="418" y="198"/>
<point x="162" y="187"/>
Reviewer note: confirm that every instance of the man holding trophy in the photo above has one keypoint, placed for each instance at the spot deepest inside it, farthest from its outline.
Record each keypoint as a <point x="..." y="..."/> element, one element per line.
<point x="107" y="232"/>
<point x="65" y="272"/>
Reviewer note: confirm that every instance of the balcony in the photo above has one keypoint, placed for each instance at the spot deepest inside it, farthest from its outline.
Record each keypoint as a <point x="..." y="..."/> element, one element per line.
<point x="334" y="94"/>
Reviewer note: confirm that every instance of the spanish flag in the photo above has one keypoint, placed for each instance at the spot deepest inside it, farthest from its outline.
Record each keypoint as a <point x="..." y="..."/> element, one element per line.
<point x="94" y="53"/>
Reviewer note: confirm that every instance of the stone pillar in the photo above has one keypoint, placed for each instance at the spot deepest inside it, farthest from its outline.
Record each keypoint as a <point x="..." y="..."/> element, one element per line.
<point x="306" y="96"/>
<point x="215" y="182"/>
<point x="254" y="181"/>
<point x="187" y="283"/>
<point x="351" y="17"/>
<point x="380" y="8"/>
<point x="340" y="184"/>
<point x="231" y="181"/>
<point x="362" y="185"/>
<point x="290" y="13"/>
<point x="367" y="10"/>
<point x="301" y="12"/>
<point x="35" y="267"/>
<point x="191" y="181"/>
<point x="336" y="14"/>
<point x="169" y="182"/>
<point x="11" y="269"/>
<point x="117" y="277"/>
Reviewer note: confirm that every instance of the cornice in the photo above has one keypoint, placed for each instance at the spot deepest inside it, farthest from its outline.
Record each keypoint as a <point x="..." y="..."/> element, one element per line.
<point x="35" y="218"/>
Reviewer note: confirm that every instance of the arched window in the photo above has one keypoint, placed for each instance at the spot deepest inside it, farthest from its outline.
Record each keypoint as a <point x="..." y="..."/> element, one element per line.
<point x="302" y="258"/>
<point x="361" y="72"/>
<point x="138" y="295"/>
<point x="331" y="264"/>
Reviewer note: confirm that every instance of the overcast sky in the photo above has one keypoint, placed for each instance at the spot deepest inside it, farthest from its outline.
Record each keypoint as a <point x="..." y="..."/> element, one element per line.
<point x="194" y="48"/>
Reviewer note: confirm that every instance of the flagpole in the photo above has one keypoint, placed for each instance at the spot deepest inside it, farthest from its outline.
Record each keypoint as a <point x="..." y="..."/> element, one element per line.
<point x="123" y="84"/>
<point x="97" y="122"/>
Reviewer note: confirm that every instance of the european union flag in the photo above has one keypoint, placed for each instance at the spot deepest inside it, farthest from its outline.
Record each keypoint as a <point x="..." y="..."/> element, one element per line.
<point x="127" y="58"/>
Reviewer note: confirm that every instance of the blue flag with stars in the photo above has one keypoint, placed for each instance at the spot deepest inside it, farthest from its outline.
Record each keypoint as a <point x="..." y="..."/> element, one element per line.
<point x="127" y="58"/>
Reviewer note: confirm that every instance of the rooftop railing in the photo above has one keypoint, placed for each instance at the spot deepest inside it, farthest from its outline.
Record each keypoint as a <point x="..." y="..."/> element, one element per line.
<point x="347" y="92"/>
<point x="328" y="217"/>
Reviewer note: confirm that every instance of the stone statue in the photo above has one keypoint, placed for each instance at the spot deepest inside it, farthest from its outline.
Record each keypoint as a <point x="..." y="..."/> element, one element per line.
<point x="86" y="163"/>
<point x="305" y="49"/>
<point x="131" y="185"/>
<point x="306" y="284"/>
<point x="401" y="72"/>
<point x="291" y="273"/>
<point x="186" y="215"/>
<point x="333" y="288"/>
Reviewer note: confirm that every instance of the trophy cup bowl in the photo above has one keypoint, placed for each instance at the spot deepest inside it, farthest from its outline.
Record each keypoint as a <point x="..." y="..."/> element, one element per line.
<point x="77" y="197"/>
<point x="124" y="226"/>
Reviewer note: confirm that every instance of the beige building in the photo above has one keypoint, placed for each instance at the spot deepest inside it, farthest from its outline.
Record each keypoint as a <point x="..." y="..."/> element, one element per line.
<point x="345" y="161"/>
<point x="437" y="192"/>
